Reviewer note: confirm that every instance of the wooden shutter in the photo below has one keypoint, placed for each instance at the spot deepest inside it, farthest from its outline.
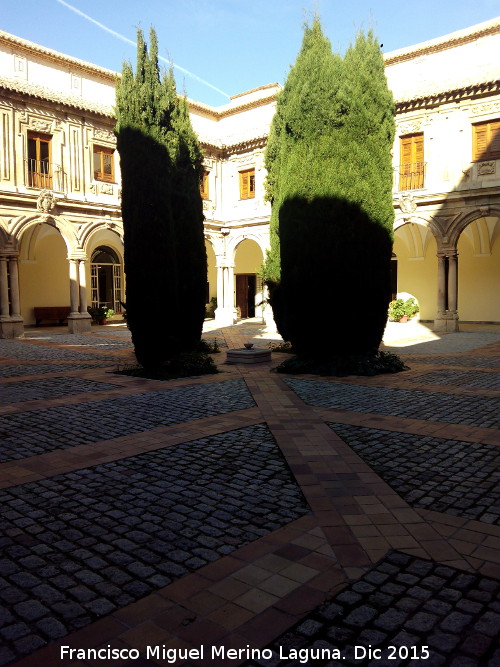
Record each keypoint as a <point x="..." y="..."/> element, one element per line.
<point x="486" y="141"/>
<point x="411" y="163"/>
<point x="480" y="141"/>
<point x="247" y="184"/>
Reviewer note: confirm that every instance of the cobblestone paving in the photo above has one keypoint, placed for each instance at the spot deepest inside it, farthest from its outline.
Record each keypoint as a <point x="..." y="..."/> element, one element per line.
<point x="85" y="341"/>
<point x="77" y="546"/>
<point x="30" y="390"/>
<point x="27" y="352"/>
<point x="461" y="379"/>
<point x="37" y="431"/>
<point x="8" y="371"/>
<point x="460" y="478"/>
<point x="474" y="410"/>
<point x="463" y="341"/>
<point x="407" y="603"/>
<point x="478" y="362"/>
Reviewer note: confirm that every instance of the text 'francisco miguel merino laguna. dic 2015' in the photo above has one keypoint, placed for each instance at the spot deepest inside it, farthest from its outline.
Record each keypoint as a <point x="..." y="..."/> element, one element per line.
<point x="221" y="653"/>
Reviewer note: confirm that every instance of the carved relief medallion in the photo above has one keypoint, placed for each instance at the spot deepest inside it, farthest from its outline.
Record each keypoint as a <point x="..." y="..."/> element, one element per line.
<point x="407" y="202"/>
<point x="46" y="201"/>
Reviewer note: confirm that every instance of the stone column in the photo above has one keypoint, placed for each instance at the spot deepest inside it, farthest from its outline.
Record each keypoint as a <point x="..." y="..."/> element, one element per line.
<point x="4" y="291"/>
<point x="15" y="301"/>
<point x="453" y="283"/>
<point x="79" y="321"/>
<point x="441" y="296"/>
<point x="230" y="287"/>
<point x="74" y="287"/>
<point x="83" y="286"/>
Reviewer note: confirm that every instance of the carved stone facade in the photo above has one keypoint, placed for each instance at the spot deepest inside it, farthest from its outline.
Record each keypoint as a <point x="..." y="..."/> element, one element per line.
<point x="58" y="213"/>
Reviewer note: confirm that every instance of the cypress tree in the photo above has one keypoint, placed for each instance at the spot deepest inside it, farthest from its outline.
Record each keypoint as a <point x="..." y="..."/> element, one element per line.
<point x="161" y="211"/>
<point x="330" y="185"/>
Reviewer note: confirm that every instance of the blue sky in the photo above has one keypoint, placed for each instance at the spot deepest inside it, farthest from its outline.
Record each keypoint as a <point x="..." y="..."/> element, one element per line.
<point x="233" y="45"/>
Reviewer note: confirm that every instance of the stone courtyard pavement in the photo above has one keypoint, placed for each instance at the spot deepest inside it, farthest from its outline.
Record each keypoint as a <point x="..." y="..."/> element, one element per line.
<point x="248" y="517"/>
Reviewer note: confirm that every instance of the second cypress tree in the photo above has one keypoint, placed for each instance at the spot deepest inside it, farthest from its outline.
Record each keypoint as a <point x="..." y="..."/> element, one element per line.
<point x="330" y="184"/>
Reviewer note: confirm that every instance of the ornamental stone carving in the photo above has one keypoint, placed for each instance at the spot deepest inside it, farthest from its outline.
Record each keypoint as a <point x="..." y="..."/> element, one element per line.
<point x="485" y="168"/>
<point x="40" y="125"/>
<point x="487" y="107"/>
<point x="106" y="189"/>
<point x="407" y="202"/>
<point x="410" y="127"/>
<point x="105" y="135"/>
<point x="45" y="202"/>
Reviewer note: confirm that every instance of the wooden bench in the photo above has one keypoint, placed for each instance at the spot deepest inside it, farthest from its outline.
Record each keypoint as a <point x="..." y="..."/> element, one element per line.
<point x="51" y="313"/>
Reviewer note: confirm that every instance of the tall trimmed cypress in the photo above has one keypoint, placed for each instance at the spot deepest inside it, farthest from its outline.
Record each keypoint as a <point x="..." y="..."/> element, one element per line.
<point x="330" y="185"/>
<point x="161" y="210"/>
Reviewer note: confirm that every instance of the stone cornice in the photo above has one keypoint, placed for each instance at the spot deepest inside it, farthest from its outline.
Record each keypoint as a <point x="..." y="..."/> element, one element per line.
<point x="240" y="146"/>
<point x="30" y="48"/>
<point x="217" y="114"/>
<point x="450" y="41"/>
<point x="40" y="92"/>
<point x="443" y="97"/>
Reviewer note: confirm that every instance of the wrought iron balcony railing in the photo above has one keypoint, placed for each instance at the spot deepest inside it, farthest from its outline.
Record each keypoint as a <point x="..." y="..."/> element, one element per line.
<point x="44" y="175"/>
<point x="410" y="176"/>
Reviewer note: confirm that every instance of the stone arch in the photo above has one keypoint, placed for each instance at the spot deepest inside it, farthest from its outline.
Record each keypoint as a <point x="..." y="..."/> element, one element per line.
<point x="415" y="245"/>
<point x="478" y="248"/>
<point x="463" y="222"/>
<point x="235" y="241"/>
<point x="65" y="228"/>
<point x="249" y="290"/>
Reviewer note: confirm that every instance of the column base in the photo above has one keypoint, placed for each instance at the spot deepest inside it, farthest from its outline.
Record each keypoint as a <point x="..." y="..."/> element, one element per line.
<point x="446" y="324"/>
<point x="79" y="323"/>
<point x="224" y="317"/>
<point x="12" y="328"/>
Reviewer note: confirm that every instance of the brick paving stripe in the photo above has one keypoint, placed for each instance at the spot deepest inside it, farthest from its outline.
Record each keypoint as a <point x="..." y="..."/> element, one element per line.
<point x="405" y="603"/>
<point x="34" y="432"/>
<point x="78" y="546"/>
<point x="459" y="478"/>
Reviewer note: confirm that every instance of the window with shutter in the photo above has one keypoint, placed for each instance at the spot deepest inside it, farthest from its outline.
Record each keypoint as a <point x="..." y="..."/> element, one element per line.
<point x="411" y="162"/>
<point x="247" y="184"/>
<point x="104" y="164"/>
<point x="486" y="141"/>
<point x="39" y="160"/>
<point x="204" y="185"/>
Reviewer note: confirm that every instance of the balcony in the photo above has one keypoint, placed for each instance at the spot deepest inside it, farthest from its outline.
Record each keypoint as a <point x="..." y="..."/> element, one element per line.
<point x="410" y="176"/>
<point x="44" y="175"/>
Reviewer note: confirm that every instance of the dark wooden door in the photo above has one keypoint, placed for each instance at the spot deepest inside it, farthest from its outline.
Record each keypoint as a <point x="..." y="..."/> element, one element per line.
<point x="245" y="293"/>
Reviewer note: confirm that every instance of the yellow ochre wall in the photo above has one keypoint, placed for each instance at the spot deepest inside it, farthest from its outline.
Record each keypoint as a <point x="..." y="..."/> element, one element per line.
<point x="418" y="276"/>
<point x="478" y="283"/>
<point x="212" y="270"/>
<point x="44" y="280"/>
<point x="248" y="257"/>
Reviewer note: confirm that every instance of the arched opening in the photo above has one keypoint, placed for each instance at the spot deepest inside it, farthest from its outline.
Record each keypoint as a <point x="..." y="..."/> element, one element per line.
<point x="248" y="283"/>
<point x="211" y="297"/>
<point x="415" y="248"/>
<point x="43" y="270"/>
<point x="106" y="282"/>
<point x="479" y="271"/>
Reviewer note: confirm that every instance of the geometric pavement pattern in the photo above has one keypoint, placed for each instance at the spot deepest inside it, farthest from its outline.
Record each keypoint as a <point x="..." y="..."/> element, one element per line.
<point x="406" y="611"/>
<point x="27" y="352"/>
<point x="96" y="342"/>
<point x="486" y="362"/>
<point x="473" y="410"/>
<point x="459" y="478"/>
<point x="34" y="432"/>
<point x="45" y="388"/>
<point x="480" y="379"/>
<point x="11" y="370"/>
<point x="79" y="545"/>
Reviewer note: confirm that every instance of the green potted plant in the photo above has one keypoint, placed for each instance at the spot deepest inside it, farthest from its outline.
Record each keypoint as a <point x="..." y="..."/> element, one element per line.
<point x="402" y="311"/>
<point x="100" y="314"/>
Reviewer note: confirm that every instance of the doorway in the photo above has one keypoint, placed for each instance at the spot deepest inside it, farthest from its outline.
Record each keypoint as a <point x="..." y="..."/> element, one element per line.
<point x="106" y="279"/>
<point x="246" y="288"/>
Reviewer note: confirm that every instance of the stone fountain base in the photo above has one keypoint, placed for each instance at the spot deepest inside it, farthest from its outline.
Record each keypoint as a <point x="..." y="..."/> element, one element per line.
<point x="247" y="355"/>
